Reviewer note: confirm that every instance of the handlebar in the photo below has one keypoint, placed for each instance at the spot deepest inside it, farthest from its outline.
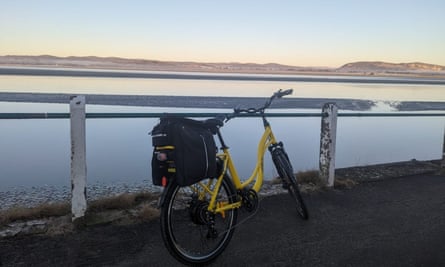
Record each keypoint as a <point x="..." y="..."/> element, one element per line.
<point x="278" y="94"/>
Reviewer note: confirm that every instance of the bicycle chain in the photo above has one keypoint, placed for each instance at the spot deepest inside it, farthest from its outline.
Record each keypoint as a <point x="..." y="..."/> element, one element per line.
<point x="245" y="219"/>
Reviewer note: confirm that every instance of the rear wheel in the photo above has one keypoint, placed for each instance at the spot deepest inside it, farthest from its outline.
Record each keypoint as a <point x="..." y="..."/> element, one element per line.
<point x="191" y="233"/>
<point x="287" y="176"/>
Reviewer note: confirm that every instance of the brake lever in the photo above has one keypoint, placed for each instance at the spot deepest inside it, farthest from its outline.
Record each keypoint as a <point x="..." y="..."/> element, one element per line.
<point x="237" y="110"/>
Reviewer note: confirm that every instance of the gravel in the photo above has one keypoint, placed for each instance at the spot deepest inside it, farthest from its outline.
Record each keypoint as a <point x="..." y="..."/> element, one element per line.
<point x="33" y="196"/>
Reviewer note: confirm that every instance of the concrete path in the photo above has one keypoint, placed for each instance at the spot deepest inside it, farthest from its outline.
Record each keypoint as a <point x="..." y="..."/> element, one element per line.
<point x="394" y="222"/>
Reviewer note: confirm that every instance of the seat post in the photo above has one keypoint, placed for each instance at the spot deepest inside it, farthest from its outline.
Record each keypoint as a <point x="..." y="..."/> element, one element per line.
<point x="221" y="140"/>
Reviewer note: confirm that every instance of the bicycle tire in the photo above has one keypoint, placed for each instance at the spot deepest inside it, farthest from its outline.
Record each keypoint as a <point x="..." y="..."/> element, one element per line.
<point x="184" y="223"/>
<point x="286" y="172"/>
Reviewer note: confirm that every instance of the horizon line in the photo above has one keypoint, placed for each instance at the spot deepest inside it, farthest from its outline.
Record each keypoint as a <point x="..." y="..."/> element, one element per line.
<point x="227" y="62"/>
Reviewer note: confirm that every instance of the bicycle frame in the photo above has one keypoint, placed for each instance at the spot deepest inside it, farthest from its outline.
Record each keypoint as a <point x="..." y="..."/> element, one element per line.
<point x="257" y="176"/>
<point x="198" y="220"/>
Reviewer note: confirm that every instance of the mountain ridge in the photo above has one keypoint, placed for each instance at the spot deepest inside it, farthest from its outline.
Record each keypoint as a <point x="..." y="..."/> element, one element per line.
<point x="94" y="62"/>
<point x="366" y="66"/>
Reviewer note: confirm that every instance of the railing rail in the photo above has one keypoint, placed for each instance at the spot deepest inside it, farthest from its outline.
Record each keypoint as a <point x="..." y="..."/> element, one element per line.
<point x="14" y="116"/>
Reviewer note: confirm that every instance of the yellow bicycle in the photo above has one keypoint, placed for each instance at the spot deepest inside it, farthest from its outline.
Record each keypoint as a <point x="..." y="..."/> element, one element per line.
<point x="198" y="220"/>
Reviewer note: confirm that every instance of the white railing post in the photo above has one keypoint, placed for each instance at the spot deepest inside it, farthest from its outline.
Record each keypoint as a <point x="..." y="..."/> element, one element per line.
<point x="327" y="143"/>
<point x="78" y="157"/>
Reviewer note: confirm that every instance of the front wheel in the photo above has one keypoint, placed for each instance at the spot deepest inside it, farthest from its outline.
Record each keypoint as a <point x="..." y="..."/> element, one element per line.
<point x="286" y="172"/>
<point x="191" y="233"/>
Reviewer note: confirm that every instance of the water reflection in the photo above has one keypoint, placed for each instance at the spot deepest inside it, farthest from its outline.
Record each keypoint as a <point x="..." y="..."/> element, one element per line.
<point x="140" y="86"/>
<point x="362" y="141"/>
<point x="36" y="152"/>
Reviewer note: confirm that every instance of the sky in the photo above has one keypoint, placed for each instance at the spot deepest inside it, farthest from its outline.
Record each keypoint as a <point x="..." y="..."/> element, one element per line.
<point x="301" y="33"/>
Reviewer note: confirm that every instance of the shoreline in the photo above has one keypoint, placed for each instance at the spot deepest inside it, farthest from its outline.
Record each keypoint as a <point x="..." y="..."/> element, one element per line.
<point x="33" y="196"/>
<point x="219" y="102"/>
<point x="187" y="101"/>
<point x="28" y="197"/>
<point x="309" y="76"/>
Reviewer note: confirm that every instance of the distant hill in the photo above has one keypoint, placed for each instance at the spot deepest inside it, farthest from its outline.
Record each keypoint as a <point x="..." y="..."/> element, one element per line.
<point x="150" y="65"/>
<point x="355" y="68"/>
<point x="384" y="67"/>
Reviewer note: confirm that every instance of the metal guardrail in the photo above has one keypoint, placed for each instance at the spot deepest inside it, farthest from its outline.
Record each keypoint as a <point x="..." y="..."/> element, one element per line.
<point x="140" y="115"/>
<point x="207" y="115"/>
<point x="77" y="117"/>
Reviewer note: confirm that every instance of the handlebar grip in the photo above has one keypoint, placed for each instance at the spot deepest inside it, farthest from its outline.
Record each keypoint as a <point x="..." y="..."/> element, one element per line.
<point x="282" y="93"/>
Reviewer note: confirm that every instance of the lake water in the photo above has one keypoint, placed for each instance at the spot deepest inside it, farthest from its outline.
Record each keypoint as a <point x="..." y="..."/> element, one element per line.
<point x="37" y="152"/>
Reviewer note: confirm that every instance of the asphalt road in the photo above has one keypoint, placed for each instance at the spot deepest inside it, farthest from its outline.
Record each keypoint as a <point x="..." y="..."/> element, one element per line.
<point x="394" y="222"/>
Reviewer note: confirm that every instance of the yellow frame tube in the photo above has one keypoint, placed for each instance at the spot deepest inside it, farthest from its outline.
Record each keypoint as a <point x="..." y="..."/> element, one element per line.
<point x="266" y="140"/>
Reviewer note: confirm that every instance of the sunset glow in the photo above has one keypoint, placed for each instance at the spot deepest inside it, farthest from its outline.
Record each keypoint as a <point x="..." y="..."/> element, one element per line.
<point x="301" y="33"/>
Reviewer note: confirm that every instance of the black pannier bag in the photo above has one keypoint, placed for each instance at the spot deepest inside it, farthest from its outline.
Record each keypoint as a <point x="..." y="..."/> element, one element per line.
<point x="183" y="150"/>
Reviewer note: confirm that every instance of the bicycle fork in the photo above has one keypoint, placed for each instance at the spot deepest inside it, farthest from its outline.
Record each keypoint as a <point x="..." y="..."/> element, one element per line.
<point x="276" y="150"/>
